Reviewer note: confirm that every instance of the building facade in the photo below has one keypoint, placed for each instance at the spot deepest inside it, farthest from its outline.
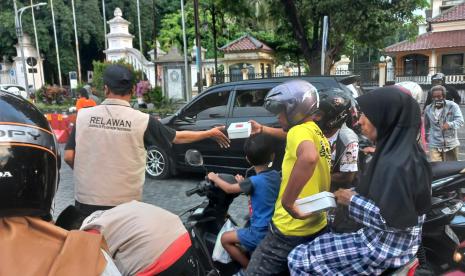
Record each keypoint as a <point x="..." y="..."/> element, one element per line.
<point x="120" y="47"/>
<point x="440" y="47"/>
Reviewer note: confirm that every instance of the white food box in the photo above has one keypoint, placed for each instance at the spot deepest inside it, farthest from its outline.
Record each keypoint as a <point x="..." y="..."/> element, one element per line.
<point x="239" y="130"/>
<point x="316" y="203"/>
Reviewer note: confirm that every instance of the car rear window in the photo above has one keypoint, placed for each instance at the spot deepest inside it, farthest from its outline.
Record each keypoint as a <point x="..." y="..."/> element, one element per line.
<point x="250" y="102"/>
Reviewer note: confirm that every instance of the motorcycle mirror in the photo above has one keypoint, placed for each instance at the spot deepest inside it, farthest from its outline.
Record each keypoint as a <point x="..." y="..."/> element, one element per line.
<point x="194" y="158"/>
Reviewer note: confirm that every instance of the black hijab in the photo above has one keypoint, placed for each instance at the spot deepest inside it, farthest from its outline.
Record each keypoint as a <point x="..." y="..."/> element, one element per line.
<point x="398" y="178"/>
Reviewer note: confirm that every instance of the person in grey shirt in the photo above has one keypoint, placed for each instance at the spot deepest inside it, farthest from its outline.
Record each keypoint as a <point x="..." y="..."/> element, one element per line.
<point x="442" y="119"/>
<point x="91" y="95"/>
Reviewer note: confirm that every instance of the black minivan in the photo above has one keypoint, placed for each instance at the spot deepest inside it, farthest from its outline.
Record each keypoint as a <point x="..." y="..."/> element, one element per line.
<point x="222" y="105"/>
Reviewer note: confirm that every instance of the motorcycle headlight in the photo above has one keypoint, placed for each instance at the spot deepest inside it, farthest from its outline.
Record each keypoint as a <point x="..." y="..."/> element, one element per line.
<point x="459" y="254"/>
<point x="458" y="257"/>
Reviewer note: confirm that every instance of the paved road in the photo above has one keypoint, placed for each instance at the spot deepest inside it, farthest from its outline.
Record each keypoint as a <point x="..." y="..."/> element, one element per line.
<point x="168" y="194"/>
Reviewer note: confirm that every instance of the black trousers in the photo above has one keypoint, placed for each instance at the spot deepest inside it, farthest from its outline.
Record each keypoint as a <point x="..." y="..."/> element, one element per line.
<point x="187" y="265"/>
<point x="270" y="257"/>
<point x="87" y="209"/>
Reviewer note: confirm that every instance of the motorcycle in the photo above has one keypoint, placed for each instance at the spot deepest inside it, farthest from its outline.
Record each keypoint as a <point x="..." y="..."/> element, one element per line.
<point x="442" y="248"/>
<point x="444" y="228"/>
<point x="205" y="220"/>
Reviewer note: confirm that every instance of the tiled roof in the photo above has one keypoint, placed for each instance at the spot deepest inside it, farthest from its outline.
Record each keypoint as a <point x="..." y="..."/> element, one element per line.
<point x="453" y="14"/>
<point x="246" y="43"/>
<point x="436" y="40"/>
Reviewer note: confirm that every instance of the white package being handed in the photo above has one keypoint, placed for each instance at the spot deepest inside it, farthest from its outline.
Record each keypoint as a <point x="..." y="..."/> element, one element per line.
<point x="239" y="130"/>
<point x="316" y="203"/>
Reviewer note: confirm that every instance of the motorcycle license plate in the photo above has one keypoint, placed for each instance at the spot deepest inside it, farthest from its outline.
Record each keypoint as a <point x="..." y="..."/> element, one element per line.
<point x="450" y="233"/>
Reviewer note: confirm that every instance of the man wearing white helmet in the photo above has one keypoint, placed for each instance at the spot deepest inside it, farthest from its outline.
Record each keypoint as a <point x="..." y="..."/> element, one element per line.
<point x="415" y="90"/>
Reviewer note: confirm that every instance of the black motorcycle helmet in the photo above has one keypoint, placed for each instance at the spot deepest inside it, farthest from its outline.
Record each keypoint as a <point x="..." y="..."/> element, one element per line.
<point x="336" y="105"/>
<point x="438" y="78"/>
<point x="29" y="159"/>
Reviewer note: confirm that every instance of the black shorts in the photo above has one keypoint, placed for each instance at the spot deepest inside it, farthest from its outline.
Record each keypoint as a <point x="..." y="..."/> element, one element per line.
<point x="270" y="257"/>
<point x="187" y="265"/>
<point x="87" y="209"/>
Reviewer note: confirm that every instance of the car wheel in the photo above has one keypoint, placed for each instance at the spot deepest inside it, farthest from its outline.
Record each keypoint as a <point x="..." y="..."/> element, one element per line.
<point x="158" y="164"/>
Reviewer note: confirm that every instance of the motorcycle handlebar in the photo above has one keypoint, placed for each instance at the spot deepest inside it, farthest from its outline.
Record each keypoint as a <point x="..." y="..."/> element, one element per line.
<point x="192" y="191"/>
<point x="201" y="188"/>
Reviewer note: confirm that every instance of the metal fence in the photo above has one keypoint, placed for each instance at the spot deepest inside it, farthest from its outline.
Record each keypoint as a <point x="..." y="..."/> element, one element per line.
<point x="223" y="78"/>
<point x="425" y="79"/>
<point x="425" y="70"/>
<point x="369" y="74"/>
<point x="369" y="77"/>
<point x="422" y="75"/>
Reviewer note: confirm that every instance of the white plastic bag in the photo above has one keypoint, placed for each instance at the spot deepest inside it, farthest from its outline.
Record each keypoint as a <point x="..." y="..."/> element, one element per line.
<point x="219" y="254"/>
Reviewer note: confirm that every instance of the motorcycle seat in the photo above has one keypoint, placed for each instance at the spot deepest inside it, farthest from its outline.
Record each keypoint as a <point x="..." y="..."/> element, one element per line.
<point x="407" y="269"/>
<point x="447" y="168"/>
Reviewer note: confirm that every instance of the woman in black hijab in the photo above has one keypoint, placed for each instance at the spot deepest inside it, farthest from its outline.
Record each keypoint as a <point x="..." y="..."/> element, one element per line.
<point x="390" y="202"/>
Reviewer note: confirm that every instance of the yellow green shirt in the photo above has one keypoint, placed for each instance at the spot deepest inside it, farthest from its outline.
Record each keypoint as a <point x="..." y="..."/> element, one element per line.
<point x="319" y="182"/>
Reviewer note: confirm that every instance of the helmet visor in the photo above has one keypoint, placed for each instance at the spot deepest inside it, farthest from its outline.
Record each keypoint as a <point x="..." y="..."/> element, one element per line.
<point x="273" y="106"/>
<point x="28" y="177"/>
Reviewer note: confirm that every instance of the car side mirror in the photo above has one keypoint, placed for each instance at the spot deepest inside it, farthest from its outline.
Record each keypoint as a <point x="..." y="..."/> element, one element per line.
<point x="173" y="118"/>
<point x="186" y="119"/>
<point x="194" y="158"/>
<point x="182" y="117"/>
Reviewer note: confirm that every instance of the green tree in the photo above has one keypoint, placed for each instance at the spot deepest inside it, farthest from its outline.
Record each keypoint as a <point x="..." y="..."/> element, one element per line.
<point x="292" y="28"/>
<point x="364" y="22"/>
<point x="231" y="22"/>
<point x="89" y="19"/>
<point x="99" y="67"/>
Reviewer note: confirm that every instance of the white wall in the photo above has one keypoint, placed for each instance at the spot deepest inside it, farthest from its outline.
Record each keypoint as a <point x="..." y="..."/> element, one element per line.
<point x="449" y="26"/>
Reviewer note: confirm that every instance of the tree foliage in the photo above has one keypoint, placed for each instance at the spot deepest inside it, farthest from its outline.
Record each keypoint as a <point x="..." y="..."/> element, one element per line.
<point x="232" y="20"/>
<point x="89" y="20"/>
<point x="99" y="67"/>
<point x="293" y="28"/>
<point x="364" y="22"/>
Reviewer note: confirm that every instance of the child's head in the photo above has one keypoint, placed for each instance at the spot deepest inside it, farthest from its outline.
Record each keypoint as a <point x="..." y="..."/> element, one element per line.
<point x="83" y="93"/>
<point x="259" y="149"/>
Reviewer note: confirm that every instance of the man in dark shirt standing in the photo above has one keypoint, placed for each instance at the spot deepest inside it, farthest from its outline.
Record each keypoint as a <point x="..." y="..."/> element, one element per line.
<point x="451" y="92"/>
<point x="107" y="148"/>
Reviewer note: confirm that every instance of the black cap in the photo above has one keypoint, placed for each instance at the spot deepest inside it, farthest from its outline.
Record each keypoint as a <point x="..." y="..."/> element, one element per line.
<point x="118" y="78"/>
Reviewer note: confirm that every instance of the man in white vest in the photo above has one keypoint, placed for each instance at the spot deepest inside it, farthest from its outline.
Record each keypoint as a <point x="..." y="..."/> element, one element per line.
<point x="107" y="148"/>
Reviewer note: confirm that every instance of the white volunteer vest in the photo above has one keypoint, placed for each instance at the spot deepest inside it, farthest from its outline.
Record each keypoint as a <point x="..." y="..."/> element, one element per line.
<point x="109" y="163"/>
